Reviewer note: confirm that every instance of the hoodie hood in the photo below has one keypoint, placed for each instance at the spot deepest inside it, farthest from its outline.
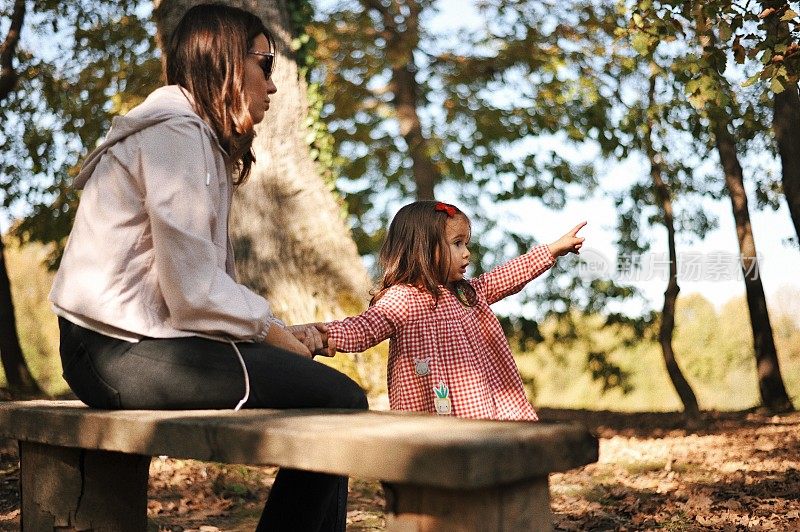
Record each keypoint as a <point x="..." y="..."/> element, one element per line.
<point x="170" y="102"/>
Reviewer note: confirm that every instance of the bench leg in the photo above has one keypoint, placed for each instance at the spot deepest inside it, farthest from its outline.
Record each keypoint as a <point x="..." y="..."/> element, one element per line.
<point x="520" y="506"/>
<point x="77" y="489"/>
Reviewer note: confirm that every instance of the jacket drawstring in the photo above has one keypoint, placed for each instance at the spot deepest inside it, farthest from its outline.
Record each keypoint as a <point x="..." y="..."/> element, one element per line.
<point x="246" y="377"/>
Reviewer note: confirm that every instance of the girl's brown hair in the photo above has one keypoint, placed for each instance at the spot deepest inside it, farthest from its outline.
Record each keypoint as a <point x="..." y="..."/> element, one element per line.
<point x="414" y="251"/>
<point x="205" y="55"/>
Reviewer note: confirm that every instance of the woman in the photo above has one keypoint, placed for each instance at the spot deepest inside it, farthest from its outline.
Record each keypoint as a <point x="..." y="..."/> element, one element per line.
<point x="151" y="316"/>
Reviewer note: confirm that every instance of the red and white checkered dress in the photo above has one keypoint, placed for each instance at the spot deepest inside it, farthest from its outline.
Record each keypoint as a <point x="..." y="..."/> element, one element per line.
<point x="464" y="346"/>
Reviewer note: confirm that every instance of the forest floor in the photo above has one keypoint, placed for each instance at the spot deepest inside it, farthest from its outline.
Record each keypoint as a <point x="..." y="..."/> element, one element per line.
<point x="729" y="472"/>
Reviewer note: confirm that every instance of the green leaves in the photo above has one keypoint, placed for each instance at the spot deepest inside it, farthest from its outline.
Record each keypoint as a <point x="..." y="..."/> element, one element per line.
<point x="725" y="30"/>
<point x="641" y="43"/>
<point x="770" y="35"/>
<point x="776" y="85"/>
<point x="102" y="62"/>
<point x="479" y="100"/>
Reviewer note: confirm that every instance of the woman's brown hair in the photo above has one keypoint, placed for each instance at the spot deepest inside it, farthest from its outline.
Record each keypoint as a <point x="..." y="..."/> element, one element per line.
<point x="205" y="56"/>
<point x="414" y="250"/>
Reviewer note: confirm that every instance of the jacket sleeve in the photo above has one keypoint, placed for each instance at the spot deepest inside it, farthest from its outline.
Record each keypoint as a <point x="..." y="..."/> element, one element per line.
<point x="379" y="322"/>
<point x="182" y="209"/>
<point x="512" y="276"/>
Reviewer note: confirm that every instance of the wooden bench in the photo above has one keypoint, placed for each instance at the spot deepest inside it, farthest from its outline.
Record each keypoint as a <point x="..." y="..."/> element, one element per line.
<point x="86" y="469"/>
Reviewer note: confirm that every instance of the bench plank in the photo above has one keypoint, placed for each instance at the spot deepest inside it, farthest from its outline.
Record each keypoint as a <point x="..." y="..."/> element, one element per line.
<point x="395" y="447"/>
<point x="86" y="469"/>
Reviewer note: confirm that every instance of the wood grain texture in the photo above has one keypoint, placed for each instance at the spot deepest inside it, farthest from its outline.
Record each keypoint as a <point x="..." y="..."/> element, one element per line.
<point x="76" y="489"/>
<point x="519" y="506"/>
<point x="390" y="446"/>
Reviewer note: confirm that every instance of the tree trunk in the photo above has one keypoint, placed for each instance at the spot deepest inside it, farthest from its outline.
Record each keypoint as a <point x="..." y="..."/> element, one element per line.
<point x="400" y="47"/>
<point x="405" y="90"/>
<point x="290" y="236"/>
<point x="770" y="383"/>
<point x="663" y="196"/>
<point x="8" y="49"/>
<point x="786" y="125"/>
<point x="18" y="377"/>
<point x="786" y="118"/>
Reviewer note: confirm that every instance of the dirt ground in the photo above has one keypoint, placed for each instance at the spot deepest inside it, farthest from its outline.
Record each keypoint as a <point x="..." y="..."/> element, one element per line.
<point x="729" y="472"/>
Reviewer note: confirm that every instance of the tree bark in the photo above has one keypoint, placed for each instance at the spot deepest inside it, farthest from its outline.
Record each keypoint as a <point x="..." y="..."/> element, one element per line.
<point x="770" y="383"/>
<point x="292" y="244"/>
<point x="8" y="49"/>
<point x="405" y="90"/>
<point x="18" y="376"/>
<point x="400" y="47"/>
<point x="786" y="126"/>
<point x="667" y="326"/>
<point x="786" y="118"/>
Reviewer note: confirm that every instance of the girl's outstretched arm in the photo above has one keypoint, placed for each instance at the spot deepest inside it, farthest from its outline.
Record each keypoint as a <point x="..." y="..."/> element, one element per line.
<point x="371" y="327"/>
<point x="512" y="276"/>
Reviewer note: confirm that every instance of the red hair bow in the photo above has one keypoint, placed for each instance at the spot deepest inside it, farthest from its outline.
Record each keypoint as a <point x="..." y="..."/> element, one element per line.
<point x="444" y="207"/>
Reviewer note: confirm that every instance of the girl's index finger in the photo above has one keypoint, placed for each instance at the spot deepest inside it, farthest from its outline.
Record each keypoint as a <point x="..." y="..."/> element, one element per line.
<point x="577" y="228"/>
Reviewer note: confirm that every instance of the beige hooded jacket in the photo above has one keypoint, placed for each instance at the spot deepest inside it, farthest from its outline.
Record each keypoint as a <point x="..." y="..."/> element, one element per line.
<point x="149" y="253"/>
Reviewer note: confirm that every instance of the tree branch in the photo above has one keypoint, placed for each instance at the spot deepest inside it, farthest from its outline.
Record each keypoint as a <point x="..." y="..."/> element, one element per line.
<point x="8" y="76"/>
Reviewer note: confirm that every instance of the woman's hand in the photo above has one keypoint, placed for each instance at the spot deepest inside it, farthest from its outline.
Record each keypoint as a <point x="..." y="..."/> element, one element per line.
<point x="331" y="350"/>
<point x="569" y="243"/>
<point x="283" y="338"/>
<point x="312" y="335"/>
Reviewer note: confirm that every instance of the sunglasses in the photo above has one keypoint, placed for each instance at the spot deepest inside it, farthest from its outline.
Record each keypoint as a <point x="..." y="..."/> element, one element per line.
<point x="269" y="62"/>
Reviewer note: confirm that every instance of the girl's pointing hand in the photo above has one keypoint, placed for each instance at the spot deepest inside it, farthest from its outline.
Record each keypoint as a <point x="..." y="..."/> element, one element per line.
<point x="569" y="243"/>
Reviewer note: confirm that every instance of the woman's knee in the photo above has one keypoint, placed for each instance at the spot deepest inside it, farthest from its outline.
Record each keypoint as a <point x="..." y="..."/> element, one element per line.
<point x="351" y="396"/>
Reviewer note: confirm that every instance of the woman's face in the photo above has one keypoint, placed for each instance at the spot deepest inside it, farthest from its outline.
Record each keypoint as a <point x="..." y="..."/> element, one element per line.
<point x="257" y="86"/>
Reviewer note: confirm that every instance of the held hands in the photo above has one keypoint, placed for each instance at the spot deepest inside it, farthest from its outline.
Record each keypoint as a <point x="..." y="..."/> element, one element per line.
<point x="569" y="243"/>
<point x="306" y="340"/>
<point x="314" y="336"/>
<point x="282" y="338"/>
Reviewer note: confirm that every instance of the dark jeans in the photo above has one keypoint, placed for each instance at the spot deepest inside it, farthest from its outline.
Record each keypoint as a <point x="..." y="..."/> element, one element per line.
<point x="195" y="373"/>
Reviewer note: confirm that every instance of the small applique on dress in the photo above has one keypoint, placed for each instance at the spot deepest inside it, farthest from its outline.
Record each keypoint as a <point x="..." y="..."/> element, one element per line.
<point x="422" y="366"/>
<point x="442" y="400"/>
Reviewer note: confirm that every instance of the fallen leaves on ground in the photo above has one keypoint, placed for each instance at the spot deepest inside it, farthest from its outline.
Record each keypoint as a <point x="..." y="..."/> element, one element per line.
<point x="729" y="472"/>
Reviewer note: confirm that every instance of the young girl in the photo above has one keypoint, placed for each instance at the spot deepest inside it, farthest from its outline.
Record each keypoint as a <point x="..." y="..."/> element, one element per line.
<point x="447" y="351"/>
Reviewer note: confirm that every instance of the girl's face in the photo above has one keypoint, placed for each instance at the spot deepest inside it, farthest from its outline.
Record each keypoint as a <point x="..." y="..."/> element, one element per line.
<point x="457" y="234"/>
<point x="257" y="86"/>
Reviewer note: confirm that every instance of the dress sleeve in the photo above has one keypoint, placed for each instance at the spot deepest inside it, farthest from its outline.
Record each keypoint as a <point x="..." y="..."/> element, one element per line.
<point x="379" y="322"/>
<point x="200" y="295"/>
<point x="512" y="276"/>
